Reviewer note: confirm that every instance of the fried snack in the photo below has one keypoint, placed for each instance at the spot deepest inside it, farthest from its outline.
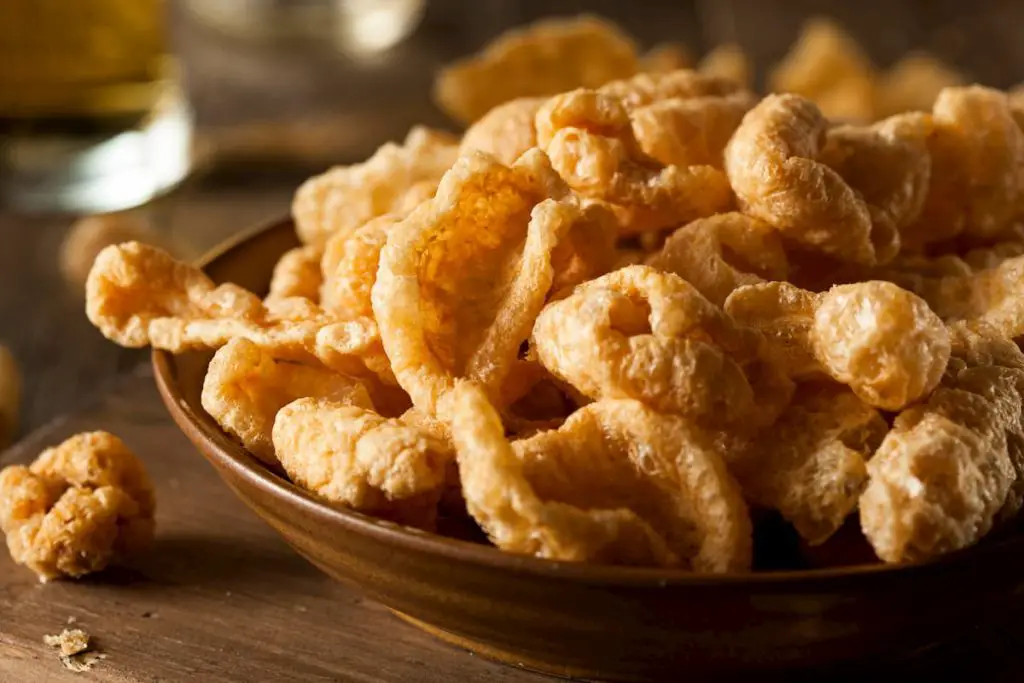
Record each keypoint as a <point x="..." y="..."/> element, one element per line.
<point x="728" y="61"/>
<point x="665" y="58"/>
<point x="393" y="180"/>
<point x="88" y="236"/>
<point x="10" y="396"/>
<point x="77" y="508"/>
<point x="353" y="457"/>
<point x="589" y="138"/>
<point x="889" y="166"/>
<point x="297" y="273"/>
<point x="913" y="83"/>
<point x="506" y="132"/>
<point x="689" y="132"/>
<point x="775" y="167"/>
<point x="245" y="387"/>
<point x="811" y="468"/>
<point x="547" y="57"/>
<point x="349" y="267"/>
<point x="617" y="483"/>
<point x="944" y="472"/>
<point x="977" y="176"/>
<point x="826" y="65"/>
<point x="883" y="342"/>
<point x="138" y="295"/>
<point x="462" y="279"/>
<point x="650" y="336"/>
<point x="989" y="298"/>
<point x="721" y="253"/>
<point x="646" y="88"/>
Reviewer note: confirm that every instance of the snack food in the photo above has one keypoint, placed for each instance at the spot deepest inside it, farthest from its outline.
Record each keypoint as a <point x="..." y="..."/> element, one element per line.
<point x="297" y="273"/>
<point x="645" y="489"/>
<point x="78" y="507"/>
<point x="506" y="132"/>
<point x="882" y="341"/>
<point x="729" y="61"/>
<point x="545" y="58"/>
<point x="393" y="180"/>
<point x="462" y="279"/>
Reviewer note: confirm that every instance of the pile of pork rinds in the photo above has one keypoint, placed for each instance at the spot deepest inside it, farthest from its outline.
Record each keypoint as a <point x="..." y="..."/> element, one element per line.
<point x="627" y="322"/>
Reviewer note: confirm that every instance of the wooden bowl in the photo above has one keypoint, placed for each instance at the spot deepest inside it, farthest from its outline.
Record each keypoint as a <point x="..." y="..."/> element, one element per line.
<point x="605" y="622"/>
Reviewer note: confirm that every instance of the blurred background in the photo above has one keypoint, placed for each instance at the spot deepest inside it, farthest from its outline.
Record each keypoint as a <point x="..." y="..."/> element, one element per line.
<point x="199" y="118"/>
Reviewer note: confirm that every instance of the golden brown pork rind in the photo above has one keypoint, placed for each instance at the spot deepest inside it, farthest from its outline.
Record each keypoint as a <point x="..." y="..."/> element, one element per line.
<point x="462" y="279"/>
<point x="590" y="140"/>
<point x="80" y="506"/>
<point x="617" y="483"/>
<point x="353" y="457"/>
<point x="393" y="180"/>
<point x="952" y="465"/>
<point x="297" y="273"/>
<point x="882" y="341"/>
<point x="245" y="387"/>
<point x="506" y="132"/>
<point x="547" y="57"/>
<point x="349" y="267"/>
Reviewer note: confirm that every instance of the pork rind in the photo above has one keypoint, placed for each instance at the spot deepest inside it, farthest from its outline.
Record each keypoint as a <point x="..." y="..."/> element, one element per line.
<point x="977" y="176"/>
<point x="989" y="297"/>
<point x="352" y="457"/>
<point x="647" y="88"/>
<point x="297" y="273"/>
<point x="393" y="180"/>
<point x="888" y="165"/>
<point x="462" y="279"/>
<point x="812" y="466"/>
<point x="950" y="466"/>
<point x="827" y="66"/>
<point x="913" y="83"/>
<point x="650" y="336"/>
<point x="545" y="58"/>
<point x="80" y="506"/>
<point x="589" y="138"/>
<point x="245" y="387"/>
<point x="138" y="295"/>
<point x="882" y="341"/>
<point x="665" y="58"/>
<point x="721" y="253"/>
<point x="506" y="132"/>
<point x="775" y="165"/>
<point x="728" y="61"/>
<point x="349" y="267"/>
<point x="617" y="483"/>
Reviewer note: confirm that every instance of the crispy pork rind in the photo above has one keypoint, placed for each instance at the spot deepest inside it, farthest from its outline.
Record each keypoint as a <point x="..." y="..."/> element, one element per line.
<point x="245" y="387"/>
<point x="393" y="180"/>
<point x="647" y="88"/>
<point x="950" y="466"/>
<point x="888" y="165"/>
<point x="774" y="162"/>
<point x="462" y="279"/>
<point x="827" y="66"/>
<point x="728" y="61"/>
<point x="882" y="341"/>
<point x="913" y="83"/>
<point x="297" y="273"/>
<point x="617" y="483"/>
<point x="721" y="253"/>
<point x="80" y="506"/>
<point x="812" y="465"/>
<point x="349" y="267"/>
<point x="544" y="58"/>
<point x="650" y="336"/>
<point x="355" y="458"/>
<point x="977" y="176"/>
<point x="506" y="132"/>
<point x="590" y="141"/>
<point x="138" y="295"/>
<point x="665" y="58"/>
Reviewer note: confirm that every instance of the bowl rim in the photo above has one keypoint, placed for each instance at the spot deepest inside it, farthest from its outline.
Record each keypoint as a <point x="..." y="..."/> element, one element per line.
<point x="225" y="453"/>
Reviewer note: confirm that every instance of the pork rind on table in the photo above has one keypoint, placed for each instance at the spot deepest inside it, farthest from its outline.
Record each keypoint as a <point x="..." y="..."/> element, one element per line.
<point x="617" y="483"/>
<point x="462" y="279"/>
<point x="78" y="507"/>
<point x="393" y="180"/>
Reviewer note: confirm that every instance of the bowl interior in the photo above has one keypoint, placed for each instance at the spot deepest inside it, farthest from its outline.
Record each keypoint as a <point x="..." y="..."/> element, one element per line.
<point x="248" y="261"/>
